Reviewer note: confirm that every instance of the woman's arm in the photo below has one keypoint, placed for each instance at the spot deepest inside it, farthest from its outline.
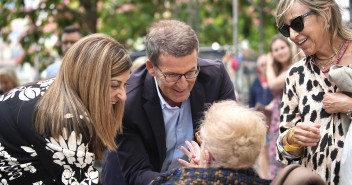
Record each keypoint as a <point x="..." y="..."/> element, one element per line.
<point x="294" y="134"/>
<point x="275" y="82"/>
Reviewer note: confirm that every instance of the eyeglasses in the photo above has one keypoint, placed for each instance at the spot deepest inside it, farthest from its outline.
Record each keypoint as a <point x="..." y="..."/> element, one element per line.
<point x="174" y="77"/>
<point x="69" y="42"/>
<point x="297" y="24"/>
<point x="197" y="134"/>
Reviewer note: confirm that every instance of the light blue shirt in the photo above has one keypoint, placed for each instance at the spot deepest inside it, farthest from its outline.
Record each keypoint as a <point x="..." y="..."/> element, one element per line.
<point x="53" y="69"/>
<point x="178" y="128"/>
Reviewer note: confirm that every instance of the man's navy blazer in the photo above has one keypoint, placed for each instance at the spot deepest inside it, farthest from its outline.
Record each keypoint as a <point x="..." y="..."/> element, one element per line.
<point x="142" y="146"/>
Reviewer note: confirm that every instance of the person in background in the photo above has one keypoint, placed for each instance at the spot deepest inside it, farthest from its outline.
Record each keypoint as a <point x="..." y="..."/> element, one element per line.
<point x="230" y="146"/>
<point x="260" y="98"/>
<point x="53" y="130"/>
<point x="70" y="35"/>
<point x="138" y="62"/>
<point x="310" y="129"/>
<point x="8" y="80"/>
<point x="260" y="94"/>
<point x="166" y="98"/>
<point x="278" y="61"/>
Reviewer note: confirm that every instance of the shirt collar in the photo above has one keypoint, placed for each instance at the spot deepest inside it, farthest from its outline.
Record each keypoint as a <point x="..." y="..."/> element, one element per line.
<point x="163" y="103"/>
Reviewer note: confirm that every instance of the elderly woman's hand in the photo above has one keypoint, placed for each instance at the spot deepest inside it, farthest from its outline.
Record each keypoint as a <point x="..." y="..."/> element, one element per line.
<point x="193" y="154"/>
<point x="306" y="134"/>
<point x="336" y="102"/>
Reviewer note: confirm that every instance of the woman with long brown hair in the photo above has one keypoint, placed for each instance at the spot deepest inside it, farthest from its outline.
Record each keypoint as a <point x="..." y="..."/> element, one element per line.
<point x="278" y="61"/>
<point x="52" y="130"/>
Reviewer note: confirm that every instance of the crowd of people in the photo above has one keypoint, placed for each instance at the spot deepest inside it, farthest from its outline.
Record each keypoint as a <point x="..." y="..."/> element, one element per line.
<point x="173" y="118"/>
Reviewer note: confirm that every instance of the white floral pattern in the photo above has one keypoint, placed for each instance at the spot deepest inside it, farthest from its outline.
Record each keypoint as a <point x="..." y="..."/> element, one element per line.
<point x="29" y="92"/>
<point x="70" y="151"/>
<point x="29" y="150"/>
<point x="68" y="156"/>
<point x="12" y="167"/>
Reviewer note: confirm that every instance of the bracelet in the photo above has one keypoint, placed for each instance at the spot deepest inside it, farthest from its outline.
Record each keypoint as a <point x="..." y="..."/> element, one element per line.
<point x="349" y="114"/>
<point x="289" y="147"/>
<point x="291" y="135"/>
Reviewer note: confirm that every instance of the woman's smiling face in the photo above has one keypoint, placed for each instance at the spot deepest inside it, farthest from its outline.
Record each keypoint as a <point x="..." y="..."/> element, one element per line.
<point x="312" y="37"/>
<point x="118" y="87"/>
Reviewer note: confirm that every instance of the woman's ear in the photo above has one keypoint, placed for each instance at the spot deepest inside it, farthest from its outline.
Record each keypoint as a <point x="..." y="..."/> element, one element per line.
<point x="206" y="157"/>
<point x="150" y="67"/>
<point x="328" y="11"/>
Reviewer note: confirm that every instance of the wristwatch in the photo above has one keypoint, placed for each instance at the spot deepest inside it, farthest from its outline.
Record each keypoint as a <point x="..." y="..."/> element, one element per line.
<point x="349" y="113"/>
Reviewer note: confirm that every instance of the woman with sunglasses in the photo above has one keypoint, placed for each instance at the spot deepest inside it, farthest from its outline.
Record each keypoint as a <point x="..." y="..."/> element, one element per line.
<point x="310" y="128"/>
<point x="53" y="130"/>
<point x="279" y="60"/>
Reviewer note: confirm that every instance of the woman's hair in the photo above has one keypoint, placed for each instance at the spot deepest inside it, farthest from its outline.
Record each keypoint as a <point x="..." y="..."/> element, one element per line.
<point x="82" y="90"/>
<point x="11" y="74"/>
<point x="336" y="27"/>
<point x="233" y="134"/>
<point x="170" y="37"/>
<point x="278" y="67"/>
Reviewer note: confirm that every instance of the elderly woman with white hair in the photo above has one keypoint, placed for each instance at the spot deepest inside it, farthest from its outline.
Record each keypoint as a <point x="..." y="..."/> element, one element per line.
<point x="230" y="147"/>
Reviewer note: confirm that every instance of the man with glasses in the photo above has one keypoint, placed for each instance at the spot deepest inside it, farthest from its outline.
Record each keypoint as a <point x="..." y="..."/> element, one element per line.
<point x="165" y="101"/>
<point x="70" y="35"/>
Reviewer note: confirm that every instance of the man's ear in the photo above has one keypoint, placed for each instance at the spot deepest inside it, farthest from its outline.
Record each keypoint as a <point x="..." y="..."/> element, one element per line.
<point x="150" y="67"/>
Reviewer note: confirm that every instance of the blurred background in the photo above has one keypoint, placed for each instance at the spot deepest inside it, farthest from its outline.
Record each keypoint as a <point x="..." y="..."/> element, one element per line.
<point x="235" y="31"/>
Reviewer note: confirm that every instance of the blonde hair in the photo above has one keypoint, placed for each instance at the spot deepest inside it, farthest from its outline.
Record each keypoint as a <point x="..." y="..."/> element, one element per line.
<point x="336" y="27"/>
<point x="82" y="89"/>
<point x="11" y="74"/>
<point x="233" y="134"/>
<point x="278" y="67"/>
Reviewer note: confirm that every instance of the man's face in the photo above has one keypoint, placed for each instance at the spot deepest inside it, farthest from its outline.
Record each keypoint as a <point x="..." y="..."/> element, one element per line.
<point x="68" y="39"/>
<point x="174" y="93"/>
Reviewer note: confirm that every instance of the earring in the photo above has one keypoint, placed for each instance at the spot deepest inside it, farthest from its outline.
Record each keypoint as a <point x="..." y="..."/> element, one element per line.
<point x="328" y="25"/>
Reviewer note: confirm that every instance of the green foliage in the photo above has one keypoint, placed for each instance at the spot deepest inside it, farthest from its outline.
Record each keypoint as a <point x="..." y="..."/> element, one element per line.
<point x="128" y="20"/>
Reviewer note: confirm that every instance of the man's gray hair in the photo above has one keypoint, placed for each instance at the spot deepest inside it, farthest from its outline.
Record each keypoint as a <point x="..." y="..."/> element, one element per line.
<point x="170" y="37"/>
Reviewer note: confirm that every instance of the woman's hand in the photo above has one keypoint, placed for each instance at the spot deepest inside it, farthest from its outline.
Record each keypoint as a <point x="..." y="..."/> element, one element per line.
<point x="269" y="60"/>
<point x="193" y="154"/>
<point x="306" y="134"/>
<point x="336" y="102"/>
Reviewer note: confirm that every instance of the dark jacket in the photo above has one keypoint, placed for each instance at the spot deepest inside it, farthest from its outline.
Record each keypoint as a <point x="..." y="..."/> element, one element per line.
<point x="210" y="176"/>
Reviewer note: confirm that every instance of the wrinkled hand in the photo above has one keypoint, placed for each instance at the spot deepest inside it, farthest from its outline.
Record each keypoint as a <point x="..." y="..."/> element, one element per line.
<point x="336" y="102"/>
<point x="306" y="134"/>
<point x="193" y="154"/>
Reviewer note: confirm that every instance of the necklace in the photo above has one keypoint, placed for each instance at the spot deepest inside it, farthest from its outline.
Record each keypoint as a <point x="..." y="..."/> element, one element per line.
<point x="333" y="63"/>
<point x="332" y="56"/>
<point x="326" y="64"/>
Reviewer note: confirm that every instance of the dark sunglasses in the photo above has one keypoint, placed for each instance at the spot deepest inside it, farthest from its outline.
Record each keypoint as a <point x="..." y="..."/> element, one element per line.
<point x="297" y="24"/>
